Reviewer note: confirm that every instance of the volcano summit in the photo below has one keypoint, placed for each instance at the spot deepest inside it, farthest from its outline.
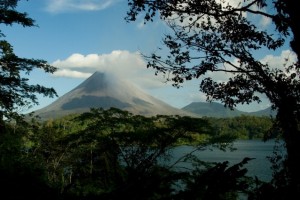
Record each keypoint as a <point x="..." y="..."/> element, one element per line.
<point x="99" y="90"/>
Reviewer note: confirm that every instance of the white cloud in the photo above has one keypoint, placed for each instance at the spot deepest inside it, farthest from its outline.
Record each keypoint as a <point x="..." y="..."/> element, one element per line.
<point x="286" y="58"/>
<point x="233" y="3"/>
<point x="73" y="74"/>
<point x="196" y="97"/>
<point x="141" y="24"/>
<point x="262" y="21"/>
<point x="123" y="64"/>
<point x="265" y="21"/>
<point x="59" y="6"/>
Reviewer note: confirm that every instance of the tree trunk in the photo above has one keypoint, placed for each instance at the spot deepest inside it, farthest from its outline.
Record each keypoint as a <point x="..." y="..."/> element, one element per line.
<point x="293" y="11"/>
<point x="289" y="122"/>
<point x="288" y="111"/>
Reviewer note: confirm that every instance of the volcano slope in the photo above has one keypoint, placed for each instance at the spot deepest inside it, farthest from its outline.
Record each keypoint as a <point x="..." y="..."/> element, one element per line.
<point x="101" y="91"/>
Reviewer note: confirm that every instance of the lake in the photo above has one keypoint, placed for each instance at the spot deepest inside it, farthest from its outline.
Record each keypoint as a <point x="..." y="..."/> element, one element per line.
<point x="260" y="166"/>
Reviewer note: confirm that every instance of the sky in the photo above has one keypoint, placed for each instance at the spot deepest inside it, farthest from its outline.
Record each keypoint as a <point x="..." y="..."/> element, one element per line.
<point x="80" y="37"/>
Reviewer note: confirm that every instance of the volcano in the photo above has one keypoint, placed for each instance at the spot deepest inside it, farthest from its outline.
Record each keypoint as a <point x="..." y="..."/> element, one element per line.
<point x="102" y="91"/>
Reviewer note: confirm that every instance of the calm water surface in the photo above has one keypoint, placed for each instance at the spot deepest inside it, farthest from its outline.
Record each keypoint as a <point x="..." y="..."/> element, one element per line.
<point x="260" y="166"/>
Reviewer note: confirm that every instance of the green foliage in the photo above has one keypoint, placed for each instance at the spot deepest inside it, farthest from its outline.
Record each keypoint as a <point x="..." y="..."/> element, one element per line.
<point x="104" y="154"/>
<point x="219" y="182"/>
<point x="207" y="37"/>
<point x="243" y="127"/>
<point x="15" y="91"/>
<point x="22" y="173"/>
<point x="112" y="154"/>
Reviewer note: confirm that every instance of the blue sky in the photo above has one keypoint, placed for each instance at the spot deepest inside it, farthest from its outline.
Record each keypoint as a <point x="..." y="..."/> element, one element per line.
<point x="80" y="37"/>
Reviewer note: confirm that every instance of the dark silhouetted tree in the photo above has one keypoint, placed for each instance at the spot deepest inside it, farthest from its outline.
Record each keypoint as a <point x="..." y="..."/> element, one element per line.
<point x="219" y="36"/>
<point x="15" y="90"/>
<point x="20" y="177"/>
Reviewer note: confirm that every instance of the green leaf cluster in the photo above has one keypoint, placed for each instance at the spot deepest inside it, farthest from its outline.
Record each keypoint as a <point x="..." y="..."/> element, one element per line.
<point x="16" y="92"/>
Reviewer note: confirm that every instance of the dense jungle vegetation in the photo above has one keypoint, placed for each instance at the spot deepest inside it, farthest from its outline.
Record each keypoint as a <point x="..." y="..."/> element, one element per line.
<point x="112" y="154"/>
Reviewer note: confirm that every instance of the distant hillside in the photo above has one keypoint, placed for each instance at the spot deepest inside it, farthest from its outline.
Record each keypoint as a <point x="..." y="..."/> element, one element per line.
<point x="218" y="110"/>
<point x="264" y="112"/>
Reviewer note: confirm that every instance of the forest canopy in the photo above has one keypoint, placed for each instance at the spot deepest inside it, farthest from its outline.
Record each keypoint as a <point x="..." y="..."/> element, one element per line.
<point x="111" y="153"/>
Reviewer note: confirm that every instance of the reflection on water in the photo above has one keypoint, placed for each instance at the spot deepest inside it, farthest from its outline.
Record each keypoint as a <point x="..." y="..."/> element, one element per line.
<point x="260" y="166"/>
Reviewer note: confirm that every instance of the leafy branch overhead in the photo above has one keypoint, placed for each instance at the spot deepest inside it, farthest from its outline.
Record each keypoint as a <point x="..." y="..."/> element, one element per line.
<point x="209" y="37"/>
<point x="15" y="90"/>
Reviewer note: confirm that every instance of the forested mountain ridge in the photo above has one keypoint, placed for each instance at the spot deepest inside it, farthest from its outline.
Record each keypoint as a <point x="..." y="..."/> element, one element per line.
<point x="218" y="110"/>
